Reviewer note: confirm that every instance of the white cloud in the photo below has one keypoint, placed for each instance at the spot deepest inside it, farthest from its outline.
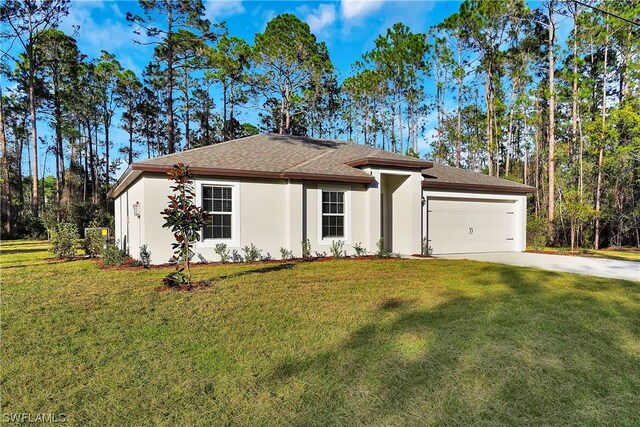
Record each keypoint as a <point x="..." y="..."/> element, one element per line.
<point x="358" y="8"/>
<point x="319" y="18"/>
<point x="218" y="9"/>
<point x="93" y="37"/>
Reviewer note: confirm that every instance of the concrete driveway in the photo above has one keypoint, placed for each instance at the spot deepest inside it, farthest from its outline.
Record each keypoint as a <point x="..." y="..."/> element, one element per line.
<point x="627" y="270"/>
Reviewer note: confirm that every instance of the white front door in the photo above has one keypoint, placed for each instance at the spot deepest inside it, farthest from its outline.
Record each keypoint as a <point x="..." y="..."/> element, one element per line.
<point x="470" y="225"/>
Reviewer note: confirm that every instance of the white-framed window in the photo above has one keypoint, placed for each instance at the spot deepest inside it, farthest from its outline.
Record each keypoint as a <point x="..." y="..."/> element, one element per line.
<point x="333" y="214"/>
<point x="217" y="200"/>
<point x="221" y="200"/>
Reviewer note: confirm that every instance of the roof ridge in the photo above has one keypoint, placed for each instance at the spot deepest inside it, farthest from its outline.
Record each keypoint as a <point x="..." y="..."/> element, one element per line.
<point x="325" y="151"/>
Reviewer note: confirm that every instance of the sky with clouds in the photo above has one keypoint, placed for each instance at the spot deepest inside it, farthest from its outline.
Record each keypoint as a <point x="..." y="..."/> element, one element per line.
<point x="348" y="27"/>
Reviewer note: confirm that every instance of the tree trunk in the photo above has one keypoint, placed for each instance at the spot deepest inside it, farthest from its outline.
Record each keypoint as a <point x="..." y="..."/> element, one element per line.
<point x="59" y="148"/>
<point x="489" y="124"/>
<point x="459" y="124"/>
<point x="7" y="214"/>
<point x="596" y="241"/>
<point x="552" y="121"/>
<point x="34" y="145"/>
<point x="170" y="125"/>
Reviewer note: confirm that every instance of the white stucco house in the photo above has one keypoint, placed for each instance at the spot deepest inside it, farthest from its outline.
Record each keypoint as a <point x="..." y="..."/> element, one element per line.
<point x="275" y="191"/>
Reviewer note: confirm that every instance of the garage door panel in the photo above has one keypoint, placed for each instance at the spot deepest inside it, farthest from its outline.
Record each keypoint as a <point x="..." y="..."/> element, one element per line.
<point x="470" y="225"/>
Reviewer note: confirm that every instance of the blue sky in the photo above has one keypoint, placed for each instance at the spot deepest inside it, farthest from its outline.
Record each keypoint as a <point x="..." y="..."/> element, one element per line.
<point x="348" y="27"/>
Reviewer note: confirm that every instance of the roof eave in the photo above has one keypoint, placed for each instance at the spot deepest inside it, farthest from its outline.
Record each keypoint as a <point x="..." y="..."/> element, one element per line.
<point x="136" y="169"/>
<point x="377" y="161"/>
<point x="485" y="188"/>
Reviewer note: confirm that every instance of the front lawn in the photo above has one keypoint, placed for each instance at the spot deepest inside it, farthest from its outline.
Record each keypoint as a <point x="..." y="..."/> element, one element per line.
<point x="373" y="342"/>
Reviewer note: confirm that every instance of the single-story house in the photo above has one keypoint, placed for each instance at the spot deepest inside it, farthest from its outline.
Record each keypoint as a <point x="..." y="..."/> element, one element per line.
<point x="276" y="191"/>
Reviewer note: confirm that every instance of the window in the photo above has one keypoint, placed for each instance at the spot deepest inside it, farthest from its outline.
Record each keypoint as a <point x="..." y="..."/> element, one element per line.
<point x="333" y="213"/>
<point x="217" y="200"/>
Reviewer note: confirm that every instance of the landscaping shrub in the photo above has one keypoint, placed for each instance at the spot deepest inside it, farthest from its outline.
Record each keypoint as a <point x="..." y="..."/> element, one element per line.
<point x="286" y="253"/>
<point x="252" y="253"/>
<point x="382" y="252"/>
<point x="306" y="249"/>
<point x="63" y="240"/>
<point x="112" y="255"/>
<point x="93" y="242"/>
<point x="145" y="256"/>
<point x="360" y="250"/>
<point x="222" y="251"/>
<point x="337" y="249"/>
<point x="235" y="256"/>
<point x="320" y="254"/>
<point x="537" y="233"/>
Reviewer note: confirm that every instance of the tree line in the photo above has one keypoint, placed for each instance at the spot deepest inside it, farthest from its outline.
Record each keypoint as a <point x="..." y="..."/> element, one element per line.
<point x="507" y="98"/>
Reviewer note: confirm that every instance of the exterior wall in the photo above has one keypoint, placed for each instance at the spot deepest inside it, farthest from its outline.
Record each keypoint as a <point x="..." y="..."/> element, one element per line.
<point x="281" y="213"/>
<point x="401" y="193"/>
<point x="262" y="208"/>
<point x="520" y="238"/>
<point x="129" y="228"/>
<point x="356" y="220"/>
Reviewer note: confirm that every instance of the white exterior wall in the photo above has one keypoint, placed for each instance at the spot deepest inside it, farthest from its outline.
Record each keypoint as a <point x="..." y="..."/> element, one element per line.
<point x="129" y="230"/>
<point x="356" y="223"/>
<point x="280" y="213"/>
<point x="520" y="238"/>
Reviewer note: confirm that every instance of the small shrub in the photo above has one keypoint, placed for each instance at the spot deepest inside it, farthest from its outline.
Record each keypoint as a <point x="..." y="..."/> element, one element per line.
<point x="63" y="240"/>
<point x="320" y="254"/>
<point x="93" y="242"/>
<point x="286" y="253"/>
<point x="267" y="257"/>
<point x="583" y="251"/>
<point x="222" y="251"/>
<point x="306" y="249"/>
<point x="337" y="249"/>
<point x="382" y="252"/>
<point x="235" y="256"/>
<point x="252" y="253"/>
<point x="360" y="250"/>
<point x="145" y="256"/>
<point x="562" y="250"/>
<point x="112" y="255"/>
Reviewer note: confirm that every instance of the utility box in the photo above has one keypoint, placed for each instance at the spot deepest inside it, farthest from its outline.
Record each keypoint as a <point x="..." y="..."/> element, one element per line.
<point x="104" y="232"/>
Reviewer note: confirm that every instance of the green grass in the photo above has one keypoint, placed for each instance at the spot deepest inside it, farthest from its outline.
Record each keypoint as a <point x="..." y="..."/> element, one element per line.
<point x="624" y="254"/>
<point x="397" y="342"/>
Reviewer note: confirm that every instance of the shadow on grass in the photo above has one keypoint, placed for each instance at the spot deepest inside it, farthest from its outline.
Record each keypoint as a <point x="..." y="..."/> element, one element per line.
<point x="521" y="356"/>
<point x="261" y="270"/>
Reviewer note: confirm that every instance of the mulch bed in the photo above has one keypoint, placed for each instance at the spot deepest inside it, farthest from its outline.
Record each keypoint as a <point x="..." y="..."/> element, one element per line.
<point x="131" y="264"/>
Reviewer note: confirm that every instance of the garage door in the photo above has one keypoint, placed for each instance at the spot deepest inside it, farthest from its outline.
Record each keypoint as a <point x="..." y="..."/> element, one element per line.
<point x="470" y="225"/>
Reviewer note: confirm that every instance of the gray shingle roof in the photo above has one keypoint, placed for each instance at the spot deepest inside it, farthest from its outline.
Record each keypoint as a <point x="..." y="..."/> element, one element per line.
<point x="273" y="153"/>
<point x="284" y="156"/>
<point x="443" y="176"/>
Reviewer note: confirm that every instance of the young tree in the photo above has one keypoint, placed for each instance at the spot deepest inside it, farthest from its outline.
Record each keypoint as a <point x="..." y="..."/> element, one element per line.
<point x="185" y="220"/>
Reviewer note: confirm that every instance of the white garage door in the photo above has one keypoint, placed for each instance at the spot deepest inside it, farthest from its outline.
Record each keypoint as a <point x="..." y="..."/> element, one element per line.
<point x="470" y="225"/>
